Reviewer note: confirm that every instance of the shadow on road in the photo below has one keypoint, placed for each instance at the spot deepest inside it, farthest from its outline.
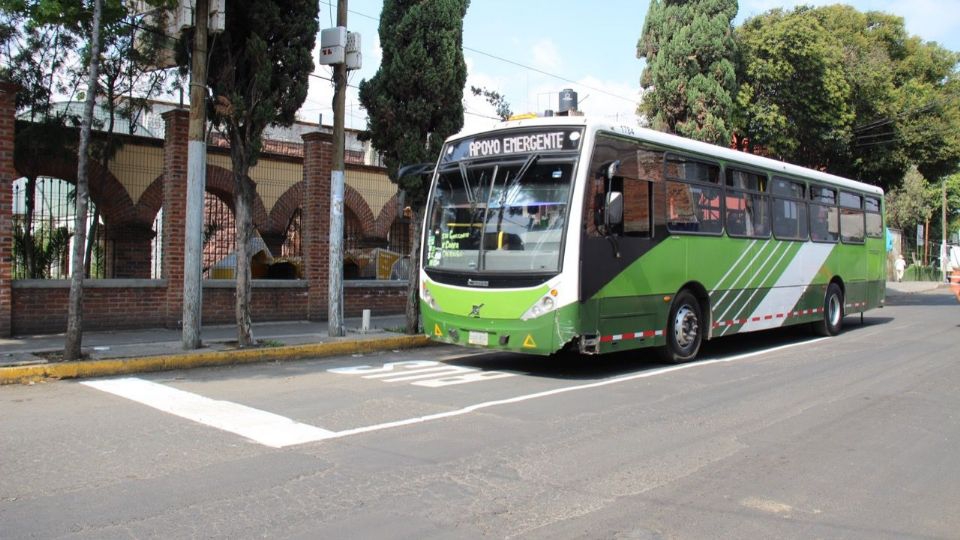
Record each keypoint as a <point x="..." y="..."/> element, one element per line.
<point x="582" y="367"/>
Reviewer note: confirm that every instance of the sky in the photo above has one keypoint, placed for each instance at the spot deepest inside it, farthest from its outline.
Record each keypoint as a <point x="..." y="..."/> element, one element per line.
<point x="531" y="50"/>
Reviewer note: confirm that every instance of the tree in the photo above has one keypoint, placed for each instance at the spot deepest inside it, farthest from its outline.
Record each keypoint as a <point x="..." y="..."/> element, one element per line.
<point x="794" y="99"/>
<point x="912" y="203"/>
<point x="498" y="100"/>
<point x="259" y="69"/>
<point x="849" y="92"/>
<point x="415" y="101"/>
<point x="37" y="42"/>
<point x="41" y="38"/>
<point x="71" y="350"/>
<point x="690" y="77"/>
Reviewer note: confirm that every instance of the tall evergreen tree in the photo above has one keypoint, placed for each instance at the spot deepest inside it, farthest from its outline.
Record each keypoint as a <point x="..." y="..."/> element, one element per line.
<point x="415" y="100"/>
<point x="690" y="76"/>
<point x="259" y="69"/>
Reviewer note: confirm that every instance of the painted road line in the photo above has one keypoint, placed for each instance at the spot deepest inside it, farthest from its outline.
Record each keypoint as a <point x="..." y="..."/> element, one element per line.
<point x="599" y="384"/>
<point x="277" y="431"/>
<point x="260" y="426"/>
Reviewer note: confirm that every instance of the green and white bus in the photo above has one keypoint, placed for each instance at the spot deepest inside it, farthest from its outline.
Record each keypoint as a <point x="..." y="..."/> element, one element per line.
<point x="552" y="233"/>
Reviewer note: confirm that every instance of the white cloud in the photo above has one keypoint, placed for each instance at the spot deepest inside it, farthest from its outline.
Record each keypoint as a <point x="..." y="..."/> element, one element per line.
<point x="546" y="56"/>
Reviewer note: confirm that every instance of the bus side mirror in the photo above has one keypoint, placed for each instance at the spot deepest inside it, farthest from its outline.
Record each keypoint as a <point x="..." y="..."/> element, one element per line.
<point x="613" y="209"/>
<point x="612" y="169"/>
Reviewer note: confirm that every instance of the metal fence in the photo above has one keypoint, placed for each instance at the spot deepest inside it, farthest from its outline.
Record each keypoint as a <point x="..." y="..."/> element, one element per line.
<point x="43" y="235"/>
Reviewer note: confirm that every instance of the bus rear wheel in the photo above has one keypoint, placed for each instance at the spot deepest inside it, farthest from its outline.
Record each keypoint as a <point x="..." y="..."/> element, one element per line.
<point x="684" y="329"/>
<point x="832" y="320"/>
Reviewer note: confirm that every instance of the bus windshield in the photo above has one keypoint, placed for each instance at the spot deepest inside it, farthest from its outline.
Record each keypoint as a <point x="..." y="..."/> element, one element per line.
<point x="499" y="216"/>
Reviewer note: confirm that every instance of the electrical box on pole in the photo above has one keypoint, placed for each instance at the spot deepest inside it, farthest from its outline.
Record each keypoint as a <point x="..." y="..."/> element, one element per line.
<point x="353" y="58"/>
<point x="333" y="45"/>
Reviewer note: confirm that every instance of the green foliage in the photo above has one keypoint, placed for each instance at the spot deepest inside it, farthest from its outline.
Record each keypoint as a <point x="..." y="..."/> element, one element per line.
<point x="44" y="248"/>
<point x="793" y="98"/>
<point x="498" y="100"/>
<point x="415" y="100"/>
<point x="690" y="76"/>
<point x="911" y="203"/>
<point x="849" y="92"/>
<point x="259" y="69"/>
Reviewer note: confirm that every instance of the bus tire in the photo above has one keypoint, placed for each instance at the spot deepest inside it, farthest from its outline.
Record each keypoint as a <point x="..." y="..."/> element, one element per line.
<point x="832" y="320"/>
<point x="684" y="329"/>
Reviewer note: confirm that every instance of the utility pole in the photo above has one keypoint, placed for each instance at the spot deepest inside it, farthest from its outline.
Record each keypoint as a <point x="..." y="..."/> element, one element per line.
<point x="943" y="227"/>
<point x="196" y="181"/>
<point x="335" y="291"/>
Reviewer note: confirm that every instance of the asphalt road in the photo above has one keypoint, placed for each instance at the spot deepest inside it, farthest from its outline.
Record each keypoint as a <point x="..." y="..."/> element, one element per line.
<point x="771" y="435"/>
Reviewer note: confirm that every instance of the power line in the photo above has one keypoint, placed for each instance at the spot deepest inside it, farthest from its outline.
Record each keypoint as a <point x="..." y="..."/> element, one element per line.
<point x="524" y="66"/>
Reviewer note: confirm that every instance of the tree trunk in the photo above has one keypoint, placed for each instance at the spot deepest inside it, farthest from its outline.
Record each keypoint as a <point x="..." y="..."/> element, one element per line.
<point x="243" y="205"/>
<point x="74" y="336"/>
<point x="413" y="287"/>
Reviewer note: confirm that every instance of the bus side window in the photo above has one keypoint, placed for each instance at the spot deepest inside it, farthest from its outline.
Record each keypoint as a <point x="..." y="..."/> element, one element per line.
<point x="789" y="209"/>
<point x="824" y="215"/>
<point x="636" y="208"/>
<point x="851" y="218"/>
<point x="693" y="195"/>
<point x="639" y="167"/>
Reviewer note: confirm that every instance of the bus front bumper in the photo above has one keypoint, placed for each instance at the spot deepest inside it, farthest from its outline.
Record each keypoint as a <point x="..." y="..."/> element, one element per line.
<point x="543" y="335"/>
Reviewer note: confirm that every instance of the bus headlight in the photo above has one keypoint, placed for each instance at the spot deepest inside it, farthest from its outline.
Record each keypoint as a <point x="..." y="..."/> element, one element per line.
<point x="428" y="298"/>
<point x="545" y="304"/>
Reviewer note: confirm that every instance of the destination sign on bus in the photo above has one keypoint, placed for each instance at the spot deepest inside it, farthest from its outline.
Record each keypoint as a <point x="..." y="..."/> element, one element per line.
<point x="514" y="143"/>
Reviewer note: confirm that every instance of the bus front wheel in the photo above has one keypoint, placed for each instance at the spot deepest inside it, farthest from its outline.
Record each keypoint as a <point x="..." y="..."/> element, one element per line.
<point x="684" y="329"/>
<point x="832" y="320"/>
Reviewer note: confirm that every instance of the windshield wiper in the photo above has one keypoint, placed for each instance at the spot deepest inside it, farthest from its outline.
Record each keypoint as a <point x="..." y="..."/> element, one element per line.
<point x="530" y="162"/>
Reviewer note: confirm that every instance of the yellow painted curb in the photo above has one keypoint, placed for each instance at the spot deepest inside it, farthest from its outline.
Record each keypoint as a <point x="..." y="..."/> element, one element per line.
<point x="108" y="367"/>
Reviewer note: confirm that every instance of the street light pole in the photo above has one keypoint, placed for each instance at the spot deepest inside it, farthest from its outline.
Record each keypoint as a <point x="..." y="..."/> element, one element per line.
<point x="335" y="288"/>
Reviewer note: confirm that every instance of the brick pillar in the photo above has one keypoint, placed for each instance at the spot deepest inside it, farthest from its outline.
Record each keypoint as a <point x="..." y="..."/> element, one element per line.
<point x="174" y="210"/>
<point x="315" y="220"/>
<point x="8" y="174"/>
<point x="131" y="250"/>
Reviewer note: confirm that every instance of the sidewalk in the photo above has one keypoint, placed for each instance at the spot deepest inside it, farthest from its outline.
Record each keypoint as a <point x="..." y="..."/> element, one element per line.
<point x="913" y="287"/>
<point x="31" y="358"/>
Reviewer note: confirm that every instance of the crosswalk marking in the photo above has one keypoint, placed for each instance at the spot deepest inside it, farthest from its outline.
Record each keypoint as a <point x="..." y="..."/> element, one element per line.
<point x="260" y="426"/>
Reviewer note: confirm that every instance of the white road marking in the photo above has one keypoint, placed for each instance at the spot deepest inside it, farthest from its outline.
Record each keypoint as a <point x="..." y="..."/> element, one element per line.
<point x="277" y="431"/>
<point x="538" y="395"/>
<point x="260" y="426"/>
<point x="440" y="374"/>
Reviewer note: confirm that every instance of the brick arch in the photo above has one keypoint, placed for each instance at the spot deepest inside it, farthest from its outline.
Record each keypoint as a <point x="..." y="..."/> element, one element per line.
<point x="388" y="214"/>
<point x="283" y="209"/>
<point x="219" y="182"/>
<point x="106" y="191"/>
<point x="151" y="200"/>
<point x="356" y="203"/>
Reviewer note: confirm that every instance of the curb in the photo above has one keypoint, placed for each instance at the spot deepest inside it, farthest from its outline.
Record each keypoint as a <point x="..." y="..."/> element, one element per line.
<point x="109" y="367"/>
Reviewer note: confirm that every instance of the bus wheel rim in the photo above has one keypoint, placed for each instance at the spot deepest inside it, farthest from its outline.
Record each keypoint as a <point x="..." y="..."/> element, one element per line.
<point x="834" y="310"/>
<point x="685" y="326"/>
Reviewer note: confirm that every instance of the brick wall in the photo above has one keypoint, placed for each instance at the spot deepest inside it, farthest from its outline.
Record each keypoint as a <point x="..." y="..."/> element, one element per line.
<point x="7" y="176"/>
<point x="40" y="306"/>
<point x="34" y="307"/>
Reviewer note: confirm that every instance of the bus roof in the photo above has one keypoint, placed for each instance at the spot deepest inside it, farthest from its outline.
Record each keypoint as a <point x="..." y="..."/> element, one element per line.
<point x="683" y="144"/>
